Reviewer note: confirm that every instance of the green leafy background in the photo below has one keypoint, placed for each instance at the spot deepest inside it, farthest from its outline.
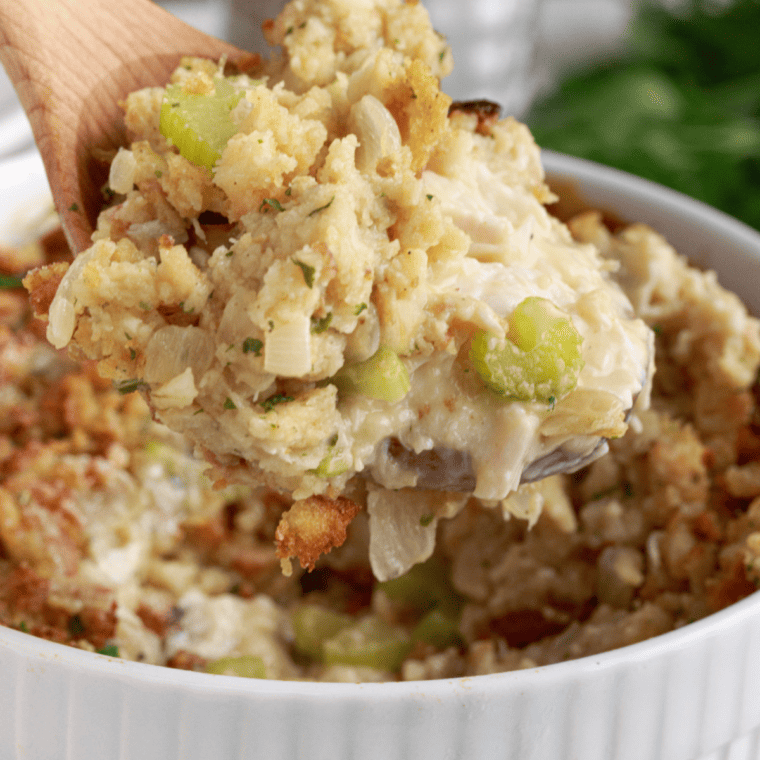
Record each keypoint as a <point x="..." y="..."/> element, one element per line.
<point x="680" y="105"/>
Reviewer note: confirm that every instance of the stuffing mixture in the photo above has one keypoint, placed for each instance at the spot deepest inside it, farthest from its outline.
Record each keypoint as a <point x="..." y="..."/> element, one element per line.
<point x="337" y="286"/>
<point x="114" y="538"/>
<point x="322" y="268"/>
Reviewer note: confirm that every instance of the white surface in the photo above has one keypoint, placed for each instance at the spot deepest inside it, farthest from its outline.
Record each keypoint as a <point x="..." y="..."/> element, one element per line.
<point x="691" y="694"/>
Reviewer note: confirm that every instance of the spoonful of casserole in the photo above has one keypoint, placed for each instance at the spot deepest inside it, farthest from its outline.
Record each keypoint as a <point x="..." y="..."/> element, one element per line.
<point x="329" y="277"/>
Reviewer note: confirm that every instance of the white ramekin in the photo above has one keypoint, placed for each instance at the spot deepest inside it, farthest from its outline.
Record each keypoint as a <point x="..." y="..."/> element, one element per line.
<point x="692" y="694"/>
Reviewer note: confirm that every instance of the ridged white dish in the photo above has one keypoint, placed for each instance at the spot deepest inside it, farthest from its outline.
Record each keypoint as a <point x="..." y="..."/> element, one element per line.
<point x="692" y="694"/>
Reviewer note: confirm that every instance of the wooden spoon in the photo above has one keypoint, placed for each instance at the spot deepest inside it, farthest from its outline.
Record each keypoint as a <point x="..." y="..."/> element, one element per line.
<point x="72" y="62"/>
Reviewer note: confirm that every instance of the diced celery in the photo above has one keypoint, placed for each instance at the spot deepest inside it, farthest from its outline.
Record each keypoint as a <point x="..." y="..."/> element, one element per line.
<point x="423" y="587"/>
<point x="539" y="361"/>
<point x="439" y="629"/>
<point x="383" y="376"/>
<point x="334" y="463"/>
<point x="371" y="643"/>
<point x="198" y="124"/>
<point x="313" y="625"/>
<point x="246" y="666"/>
<point x="426" y="587"/>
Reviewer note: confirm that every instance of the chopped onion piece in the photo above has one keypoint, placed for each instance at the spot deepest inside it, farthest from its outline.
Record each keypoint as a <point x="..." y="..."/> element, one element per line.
<point x="287" y="351"/>
<point x="61" y="314"/>
<point x="121" y="176"/>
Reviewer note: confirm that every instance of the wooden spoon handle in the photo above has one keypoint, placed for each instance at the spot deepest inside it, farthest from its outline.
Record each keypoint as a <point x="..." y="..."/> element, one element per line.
<point x="71" y="62"/>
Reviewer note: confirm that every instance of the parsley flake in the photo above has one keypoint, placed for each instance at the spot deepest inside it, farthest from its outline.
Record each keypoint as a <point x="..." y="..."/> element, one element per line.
<point x="320" y="325"/>
<point x="229" y="403"/>
<point x="268" y="404"/>
<point x="129" y="386"/>
<point x="9" y="282"/>
<point x="252" y="346"/>
<point x="271" y="203"/>
<point x="322" y="208"/>
<point x="75" y="626"/>
<point x="308" y="272"/>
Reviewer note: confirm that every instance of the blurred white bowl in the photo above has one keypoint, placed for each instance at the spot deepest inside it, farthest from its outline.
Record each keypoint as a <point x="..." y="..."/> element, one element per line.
<point x="691" y="694"/>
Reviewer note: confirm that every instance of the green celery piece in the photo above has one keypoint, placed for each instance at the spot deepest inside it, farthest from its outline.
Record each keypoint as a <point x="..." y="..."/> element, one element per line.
<point x="383" y="377"/>
<point x="313" y="625"/>
<point x="246" y="666"/>
<point x="438" y="629"/>
<point x="200" y="125"/>
<point x="424" y="586"/>
<point x="370" y="643"/>
<point x="538" y="361"/>
<point x="334" y="463"/>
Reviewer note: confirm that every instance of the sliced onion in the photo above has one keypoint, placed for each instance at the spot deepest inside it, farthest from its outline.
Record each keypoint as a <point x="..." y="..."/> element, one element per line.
<point x="61" y="314"/>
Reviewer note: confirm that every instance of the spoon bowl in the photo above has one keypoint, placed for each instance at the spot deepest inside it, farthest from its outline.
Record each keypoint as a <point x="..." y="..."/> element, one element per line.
<point x="72" y="62"/>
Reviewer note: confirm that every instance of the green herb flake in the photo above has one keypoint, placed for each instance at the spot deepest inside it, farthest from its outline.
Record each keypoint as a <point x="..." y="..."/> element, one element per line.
<point x="74" y="207"/>
<point x="271" y="203"/>
<point x="110" y="650"/>
<point x="22" y="626"/>
<point x="9" y="282"/>
<point x="425" y="520"/>
<point x="128" y="386"/>
<point x="252" y="346"/>
<point x="144" y="306"/>
<point x="132" y="354"/>
<point x="229" y="403"/>
<point x="322" y="208"/>
<point x="359" y="309"/>
<point x="159" y="173"/>
<point x="429" y="197"/>
<point x="270" y="403"/>
<point x="75" y="626"/>
<point x="308" y="272"/>
<point x="320" y="325"/>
